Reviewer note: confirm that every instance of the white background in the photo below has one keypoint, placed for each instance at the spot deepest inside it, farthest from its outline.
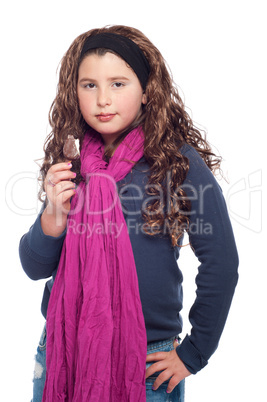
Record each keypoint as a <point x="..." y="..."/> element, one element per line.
<point x="217" y="53"/>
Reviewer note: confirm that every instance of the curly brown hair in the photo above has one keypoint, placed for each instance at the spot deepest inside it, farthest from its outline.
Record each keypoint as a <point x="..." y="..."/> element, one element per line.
<point x="166" y="124"/>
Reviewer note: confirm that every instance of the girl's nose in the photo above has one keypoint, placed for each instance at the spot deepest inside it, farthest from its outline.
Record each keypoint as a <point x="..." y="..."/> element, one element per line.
<point x="103" y="98"/>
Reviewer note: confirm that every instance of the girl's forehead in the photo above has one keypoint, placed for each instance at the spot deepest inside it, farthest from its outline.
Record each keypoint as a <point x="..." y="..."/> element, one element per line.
<point x="108" y="58"/>
<point x="107" y="63"/>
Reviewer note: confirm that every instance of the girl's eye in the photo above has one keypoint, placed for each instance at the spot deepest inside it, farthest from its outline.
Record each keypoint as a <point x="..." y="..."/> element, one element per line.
<point x="90" y="86"/>
<point x="118" y="84"/>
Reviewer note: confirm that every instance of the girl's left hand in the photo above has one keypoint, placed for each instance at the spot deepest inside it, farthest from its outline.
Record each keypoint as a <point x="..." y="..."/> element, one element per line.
<point x="171" y="366"/>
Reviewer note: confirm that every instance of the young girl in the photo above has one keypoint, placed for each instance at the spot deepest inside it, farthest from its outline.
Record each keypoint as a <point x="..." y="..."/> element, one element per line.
<point x="112" y="225"/>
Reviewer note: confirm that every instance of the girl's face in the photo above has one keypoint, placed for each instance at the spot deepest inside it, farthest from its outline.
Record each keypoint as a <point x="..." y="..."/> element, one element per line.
<point x="110" y="94"/>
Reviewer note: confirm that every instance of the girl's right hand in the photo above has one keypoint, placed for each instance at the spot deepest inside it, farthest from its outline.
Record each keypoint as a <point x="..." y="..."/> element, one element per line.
<point x="59" y="189"/>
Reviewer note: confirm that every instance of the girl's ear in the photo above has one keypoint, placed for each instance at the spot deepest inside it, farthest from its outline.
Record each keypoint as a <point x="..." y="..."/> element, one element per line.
<point x="144" y="99"/>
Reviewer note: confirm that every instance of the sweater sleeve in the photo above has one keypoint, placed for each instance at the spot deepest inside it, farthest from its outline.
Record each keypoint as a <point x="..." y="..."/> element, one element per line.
<point x="39" y="253"/>
<point x="212" y="240"/>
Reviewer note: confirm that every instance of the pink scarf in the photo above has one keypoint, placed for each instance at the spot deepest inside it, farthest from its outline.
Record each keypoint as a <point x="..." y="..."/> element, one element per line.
<point x="96" y="336"/>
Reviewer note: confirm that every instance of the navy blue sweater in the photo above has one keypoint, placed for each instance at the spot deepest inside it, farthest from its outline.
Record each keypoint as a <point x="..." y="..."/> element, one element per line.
<point x="160" y="279"/>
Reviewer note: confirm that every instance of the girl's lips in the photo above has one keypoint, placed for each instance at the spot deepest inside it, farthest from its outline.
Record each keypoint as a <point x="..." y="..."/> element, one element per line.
<point x="105" y="117"/>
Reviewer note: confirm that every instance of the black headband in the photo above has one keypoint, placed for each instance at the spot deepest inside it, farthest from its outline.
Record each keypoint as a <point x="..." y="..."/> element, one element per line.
<point x="125" y="48"/>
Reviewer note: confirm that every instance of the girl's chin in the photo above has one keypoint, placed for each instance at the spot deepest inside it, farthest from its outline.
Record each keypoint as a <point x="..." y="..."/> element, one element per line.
<point x="109" y="137"/>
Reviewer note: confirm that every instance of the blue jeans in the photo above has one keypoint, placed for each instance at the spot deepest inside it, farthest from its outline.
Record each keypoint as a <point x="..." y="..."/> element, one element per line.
<point x="40" y="369"/>
<point x="160" y="395"/>
<point x="177" y="395"/>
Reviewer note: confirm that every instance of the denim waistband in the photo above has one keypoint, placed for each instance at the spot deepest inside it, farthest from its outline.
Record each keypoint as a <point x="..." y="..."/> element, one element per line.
<point x="160" y="344"/>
